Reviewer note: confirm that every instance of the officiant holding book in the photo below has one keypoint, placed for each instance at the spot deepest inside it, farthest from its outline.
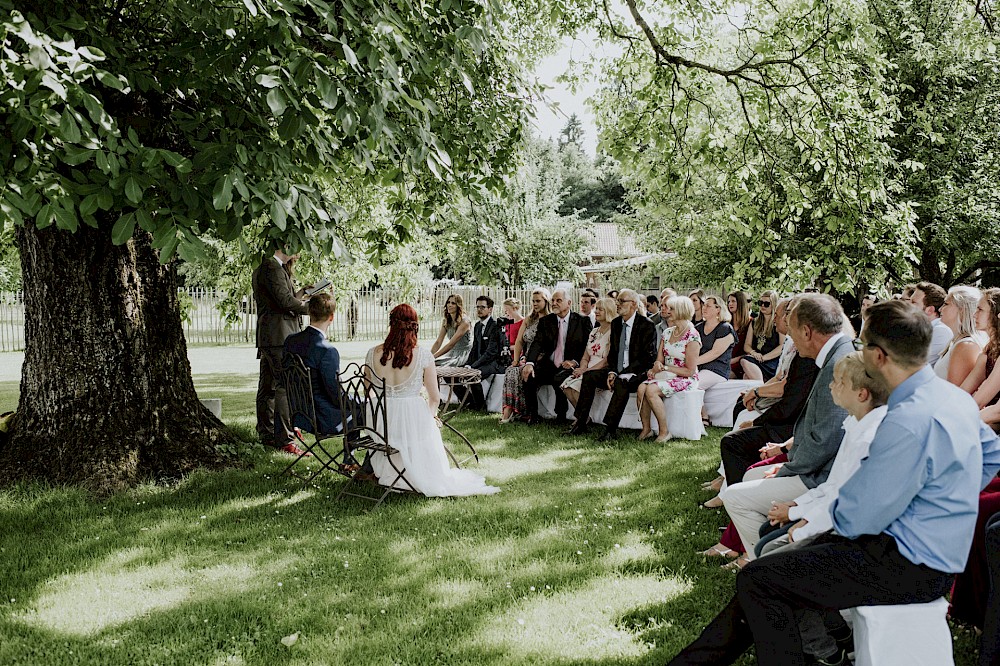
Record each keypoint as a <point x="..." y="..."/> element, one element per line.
<point x="279" y="311"/>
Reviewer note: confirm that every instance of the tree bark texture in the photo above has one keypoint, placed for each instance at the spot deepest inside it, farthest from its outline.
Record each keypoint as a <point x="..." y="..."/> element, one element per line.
<point x="107" y="400"/>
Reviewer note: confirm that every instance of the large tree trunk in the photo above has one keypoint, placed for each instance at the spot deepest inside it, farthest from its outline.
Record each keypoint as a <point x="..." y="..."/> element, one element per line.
<point x="107" y="399"/>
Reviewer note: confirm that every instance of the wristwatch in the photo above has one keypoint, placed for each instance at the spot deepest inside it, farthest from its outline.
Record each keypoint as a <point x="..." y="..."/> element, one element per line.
<point x="756" y="394"/>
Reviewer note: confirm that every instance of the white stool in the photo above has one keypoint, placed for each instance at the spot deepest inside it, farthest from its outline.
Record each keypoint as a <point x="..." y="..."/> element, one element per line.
<point x="902" y="635"/>
<point x="721" y="398"/>
<point x="684" y="414"/>
<point x="493" y="390"/>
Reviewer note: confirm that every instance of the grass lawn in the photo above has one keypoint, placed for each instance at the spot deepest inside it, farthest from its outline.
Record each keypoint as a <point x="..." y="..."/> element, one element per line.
<point x="587" y="556"/>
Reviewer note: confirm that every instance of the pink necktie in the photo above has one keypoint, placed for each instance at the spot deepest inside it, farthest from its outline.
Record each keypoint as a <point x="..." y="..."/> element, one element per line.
<point x="557" y="358"/>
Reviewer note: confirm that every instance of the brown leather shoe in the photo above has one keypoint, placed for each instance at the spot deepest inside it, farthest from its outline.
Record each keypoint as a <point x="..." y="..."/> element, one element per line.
<point x="294" y="450"/>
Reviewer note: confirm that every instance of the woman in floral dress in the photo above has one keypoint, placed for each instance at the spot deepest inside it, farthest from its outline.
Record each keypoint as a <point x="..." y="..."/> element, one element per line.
<point x="596" y="355"/>
<point x="513" y="386"/>
<point x="675" y="370"/>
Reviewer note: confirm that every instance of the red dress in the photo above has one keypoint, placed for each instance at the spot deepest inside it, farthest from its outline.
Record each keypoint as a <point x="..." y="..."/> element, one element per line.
<point x="512" y="330"/>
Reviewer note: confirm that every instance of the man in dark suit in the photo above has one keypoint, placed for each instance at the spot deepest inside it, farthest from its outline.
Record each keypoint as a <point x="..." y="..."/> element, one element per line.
<point x="631" y="354"/>
<point x="323" y="361"/>
<point x="487" y="342"/>
<point x="555" y="353"/>
<point x="278" y="309"/>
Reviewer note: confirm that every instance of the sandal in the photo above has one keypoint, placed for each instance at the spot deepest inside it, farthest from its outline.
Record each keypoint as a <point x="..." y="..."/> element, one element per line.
<point x="714" y="485"/>
<point x="714" y="503"/>
<point x="705" y="422"/>
<point x="737" y="564"/>
<point x="718" y="550"/>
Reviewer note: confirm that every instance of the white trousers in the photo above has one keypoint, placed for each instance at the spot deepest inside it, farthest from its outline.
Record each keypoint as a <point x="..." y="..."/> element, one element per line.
<point x="748" y="502"/>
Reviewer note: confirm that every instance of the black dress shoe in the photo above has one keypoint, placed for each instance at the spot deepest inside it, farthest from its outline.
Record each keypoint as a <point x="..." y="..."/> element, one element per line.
<point x="531" y="419"/>
<point x="575" y="431"/>
<point x="608" y="436"/>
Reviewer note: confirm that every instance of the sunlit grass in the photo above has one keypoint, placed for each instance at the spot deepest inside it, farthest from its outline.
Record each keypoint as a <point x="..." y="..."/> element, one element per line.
<point x="586" y="556"/>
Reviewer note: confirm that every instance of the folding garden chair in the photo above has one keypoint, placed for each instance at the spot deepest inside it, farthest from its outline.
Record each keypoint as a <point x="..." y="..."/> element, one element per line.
<point x="364" y="408"/>
<point x="302" y="409"/>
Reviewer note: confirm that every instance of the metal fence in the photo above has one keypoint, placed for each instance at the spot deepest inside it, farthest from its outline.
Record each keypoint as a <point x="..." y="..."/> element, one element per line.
<point x="362" y="315"/>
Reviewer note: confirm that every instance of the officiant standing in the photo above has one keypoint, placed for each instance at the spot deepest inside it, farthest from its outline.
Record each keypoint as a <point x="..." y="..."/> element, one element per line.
<point x="279" y="308"/>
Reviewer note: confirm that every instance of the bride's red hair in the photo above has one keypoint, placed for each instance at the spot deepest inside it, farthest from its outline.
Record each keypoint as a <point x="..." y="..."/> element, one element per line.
<point x="402" y="338"/>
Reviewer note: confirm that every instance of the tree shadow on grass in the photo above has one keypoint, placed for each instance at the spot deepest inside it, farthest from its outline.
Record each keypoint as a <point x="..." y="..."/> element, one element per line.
<point x="564" y="566"/>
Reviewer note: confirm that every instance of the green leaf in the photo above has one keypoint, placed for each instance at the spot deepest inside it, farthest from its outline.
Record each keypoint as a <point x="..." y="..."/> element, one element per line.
<point x="168" y="250"/>
<point x="278" y="215"/>
<point x="89" y="204"/>
<point x="123" y="229"/>
<point x="268" y="80"/>
<point x="76" y="156"/>
<point x="110" y="80"/>
<point x="349" y="55"/>
<point x="44" y="218"/>
<point x="132" y="190"/>
<point x="66" y="219"/>
<point x="68" y="128"/>
<point x="276" y="101"/>
<point x="222" y="196"/>
<point x="180" y="163"/>
<point x="251" y="7"/>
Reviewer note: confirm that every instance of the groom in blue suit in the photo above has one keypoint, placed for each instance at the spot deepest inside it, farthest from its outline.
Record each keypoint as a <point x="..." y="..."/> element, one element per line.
<point x="323" y="361"/>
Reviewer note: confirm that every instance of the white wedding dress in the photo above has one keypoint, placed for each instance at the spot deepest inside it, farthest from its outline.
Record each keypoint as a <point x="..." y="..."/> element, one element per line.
<point x="415" y="434"/>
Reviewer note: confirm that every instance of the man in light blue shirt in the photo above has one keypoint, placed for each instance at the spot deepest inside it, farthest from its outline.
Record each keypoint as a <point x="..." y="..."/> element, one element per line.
<point x="902" y="524"/>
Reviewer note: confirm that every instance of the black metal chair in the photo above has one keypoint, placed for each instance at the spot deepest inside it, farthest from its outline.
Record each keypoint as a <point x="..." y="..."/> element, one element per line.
<point x="302" y="408"/>
<point x="365" y="411"/>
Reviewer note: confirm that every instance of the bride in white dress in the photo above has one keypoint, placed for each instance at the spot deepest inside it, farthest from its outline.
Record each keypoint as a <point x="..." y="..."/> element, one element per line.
<point x="413" y="431"/>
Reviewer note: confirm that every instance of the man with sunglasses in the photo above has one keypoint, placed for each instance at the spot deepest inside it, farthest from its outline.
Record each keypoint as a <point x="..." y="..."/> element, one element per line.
<point x="902" y="524"/>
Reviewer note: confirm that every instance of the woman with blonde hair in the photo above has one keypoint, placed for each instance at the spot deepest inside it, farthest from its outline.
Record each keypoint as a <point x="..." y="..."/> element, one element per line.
<point x="513" y="385"/>
<point x="675" y="370"/>
<point x="718" y="338"/>
<point x="512" y="311"/>
<point x="764" y="342"/>
<point x="595" y="356"/>
<point x="959" y="314"/>
<point x="454" y="341"/>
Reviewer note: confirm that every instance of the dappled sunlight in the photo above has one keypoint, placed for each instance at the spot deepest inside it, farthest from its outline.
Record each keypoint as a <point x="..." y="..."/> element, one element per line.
<point x="587" y="620"/>
<point x="631" y="550"/>
<point x="500" y="470"/>
<point x="609" y="483"/>
<point x="122" y="589"/>
<point x="456" y="592"/>
<point x="300" y="496"/>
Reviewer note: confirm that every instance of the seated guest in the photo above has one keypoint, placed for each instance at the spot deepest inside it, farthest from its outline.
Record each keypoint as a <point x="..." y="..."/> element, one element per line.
<point x="698" y="298"/>
<point x="455" y="337"/>
<point x="929" y="298"/>
<point x="971" y="587"/>
<point x="487" y="342"/>
<point x="757" y="400"/>
<point x="902" y="524"/>
<point x="741" y="448"/>
<point x="764" y="342"/>
<point x="717" y="342"/>
<point x="512" y="313"/>
<point x="595" y="357"/>
<point x="738" y="304"/>
<point x="959" y="314"/>
<point x="814" y="324"/>
<point x="323" y="361"/>
<point x="675" y="369"/>
<point x="587" y="303"/>
<point x="983" y="383"/>
<point x="513" y="387"/>
<point x="631" y="355"/>
<point x="653" y="308"/>
<point x="989" y="648"/>
<point x="554" y="354"/>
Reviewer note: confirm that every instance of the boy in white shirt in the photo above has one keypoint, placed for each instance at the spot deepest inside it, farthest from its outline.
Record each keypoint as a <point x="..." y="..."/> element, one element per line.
<point x="864" y="399"/>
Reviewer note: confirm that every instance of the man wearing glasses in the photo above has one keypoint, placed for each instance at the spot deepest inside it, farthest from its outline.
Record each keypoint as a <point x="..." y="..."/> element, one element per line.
<point x="487" y="342"/>
<point x="631" y="354"/>
<point x="902" y="524"/>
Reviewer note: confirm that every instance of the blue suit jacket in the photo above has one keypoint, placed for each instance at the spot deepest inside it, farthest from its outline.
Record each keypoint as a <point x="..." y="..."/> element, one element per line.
<point x="323" y="361"/>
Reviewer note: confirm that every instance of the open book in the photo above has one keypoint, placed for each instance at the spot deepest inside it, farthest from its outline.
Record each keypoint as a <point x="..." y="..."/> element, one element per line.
<point x="318" y="287"/>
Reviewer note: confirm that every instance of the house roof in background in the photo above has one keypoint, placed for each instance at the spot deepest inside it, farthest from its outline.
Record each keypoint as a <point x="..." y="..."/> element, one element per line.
<point x="610" y="240"/>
